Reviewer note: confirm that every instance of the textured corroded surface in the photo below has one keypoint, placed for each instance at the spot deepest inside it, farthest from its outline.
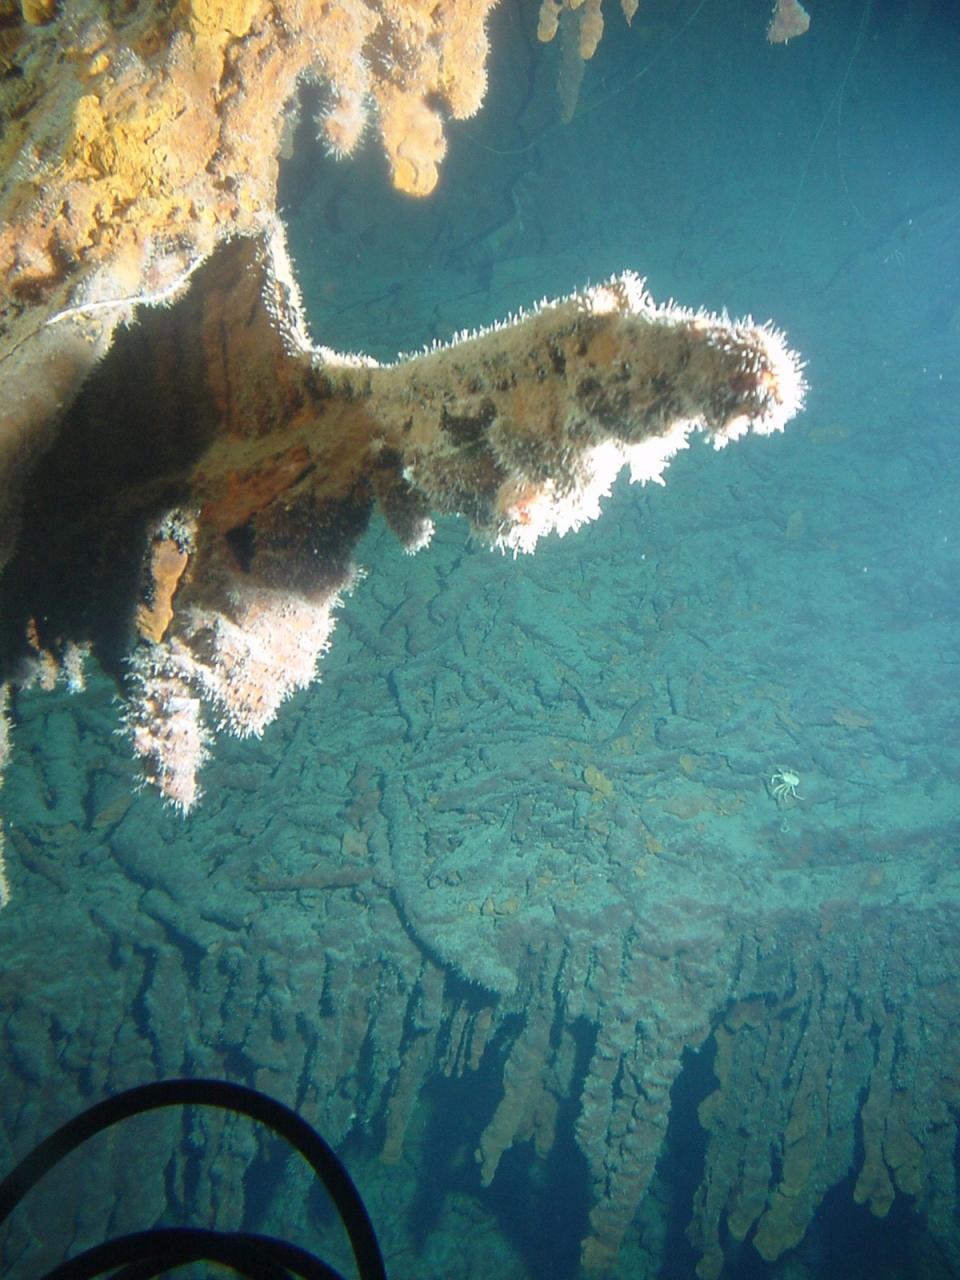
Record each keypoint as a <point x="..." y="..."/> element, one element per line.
<point x="135" y="140"/>
<point x="412" y="891"/>
<point x="238" y="485"/>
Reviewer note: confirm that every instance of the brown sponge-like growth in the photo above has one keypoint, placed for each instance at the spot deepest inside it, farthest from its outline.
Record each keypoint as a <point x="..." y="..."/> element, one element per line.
<point x="241" y="487"/>
<point x="136" y="138"/>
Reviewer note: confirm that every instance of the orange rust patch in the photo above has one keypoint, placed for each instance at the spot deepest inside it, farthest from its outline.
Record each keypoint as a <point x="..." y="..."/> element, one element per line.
<point x="251" y="491"/>
<point x="167" y="563"/>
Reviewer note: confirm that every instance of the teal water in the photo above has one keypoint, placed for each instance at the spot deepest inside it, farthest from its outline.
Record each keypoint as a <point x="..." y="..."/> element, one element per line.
<point x="512" y="880"/>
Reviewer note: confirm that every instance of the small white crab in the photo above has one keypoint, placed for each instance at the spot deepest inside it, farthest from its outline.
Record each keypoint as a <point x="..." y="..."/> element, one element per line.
<point x="783" y="785"/>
